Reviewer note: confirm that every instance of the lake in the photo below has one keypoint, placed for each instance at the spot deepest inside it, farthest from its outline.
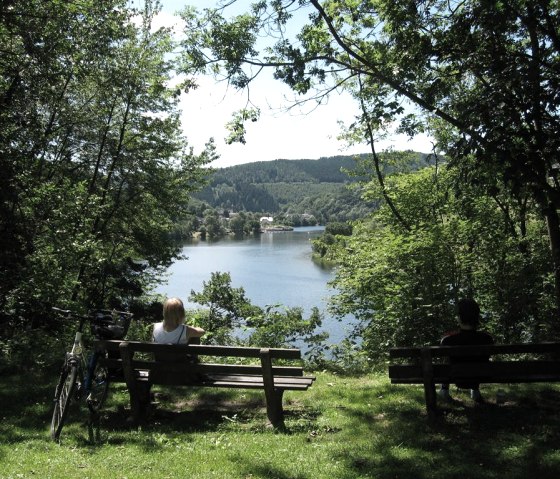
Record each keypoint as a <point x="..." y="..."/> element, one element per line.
<point x="273" y="268"/>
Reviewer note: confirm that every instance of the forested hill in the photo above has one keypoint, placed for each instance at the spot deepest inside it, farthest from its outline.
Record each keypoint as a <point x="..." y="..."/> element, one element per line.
<point x="324" y="170"/>
<point x="292" y="187"/>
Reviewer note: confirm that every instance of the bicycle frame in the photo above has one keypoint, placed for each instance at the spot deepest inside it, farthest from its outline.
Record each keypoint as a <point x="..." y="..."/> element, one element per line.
<point x="77" y="356"/>
<point x="77" y="352"/>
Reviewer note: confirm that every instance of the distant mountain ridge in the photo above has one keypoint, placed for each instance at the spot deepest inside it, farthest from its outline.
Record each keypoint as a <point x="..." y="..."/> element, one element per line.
<point x="293" y="187"/>
<point x="323" y="170"/>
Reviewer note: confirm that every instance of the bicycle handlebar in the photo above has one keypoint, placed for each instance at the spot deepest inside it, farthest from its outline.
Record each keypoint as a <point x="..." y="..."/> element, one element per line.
<point x="91" y="315"/>
<point x="105" y="323"/>
<point x="67" y="312"/>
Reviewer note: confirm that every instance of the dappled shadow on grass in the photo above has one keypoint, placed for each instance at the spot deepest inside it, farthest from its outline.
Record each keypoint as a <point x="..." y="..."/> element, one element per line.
<point x="518" y="439"/>
<point x="185" y="411"/>
<point x="360" y="427"/>
<point x="255" y="469"/>
<point x="25" y="406"/>
<point x="26" y="410"/>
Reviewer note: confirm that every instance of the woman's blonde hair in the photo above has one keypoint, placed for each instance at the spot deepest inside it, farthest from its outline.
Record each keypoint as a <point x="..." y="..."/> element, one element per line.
<point x="173" y="313"/>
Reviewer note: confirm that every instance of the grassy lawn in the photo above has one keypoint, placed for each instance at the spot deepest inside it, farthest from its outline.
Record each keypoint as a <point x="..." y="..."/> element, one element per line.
<point x="343" y="427"/>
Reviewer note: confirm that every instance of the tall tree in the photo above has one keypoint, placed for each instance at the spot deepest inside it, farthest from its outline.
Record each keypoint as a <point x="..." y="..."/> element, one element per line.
<point x="96" y="165"/>
<point x="402" y="283"/>
<point x="482" y="75"/>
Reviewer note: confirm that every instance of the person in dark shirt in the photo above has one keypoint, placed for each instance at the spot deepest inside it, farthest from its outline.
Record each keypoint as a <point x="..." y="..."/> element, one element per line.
<point x="469" y="317"/>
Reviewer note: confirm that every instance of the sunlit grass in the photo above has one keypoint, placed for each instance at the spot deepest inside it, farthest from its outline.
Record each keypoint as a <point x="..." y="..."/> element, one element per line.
<point x="343" y="427"/>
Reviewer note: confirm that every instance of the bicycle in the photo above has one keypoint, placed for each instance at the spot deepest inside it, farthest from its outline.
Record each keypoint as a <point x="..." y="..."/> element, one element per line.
<point x="80" y="378"/>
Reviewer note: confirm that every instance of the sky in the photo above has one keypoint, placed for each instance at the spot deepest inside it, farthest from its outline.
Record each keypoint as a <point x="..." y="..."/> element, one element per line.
<point x="280" y="133"/>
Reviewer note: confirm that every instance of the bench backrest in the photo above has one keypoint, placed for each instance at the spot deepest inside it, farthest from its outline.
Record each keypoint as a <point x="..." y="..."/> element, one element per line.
<point x="181" y="364"/>
<point x="421" y="363"/>
<point x="480" y="350"/>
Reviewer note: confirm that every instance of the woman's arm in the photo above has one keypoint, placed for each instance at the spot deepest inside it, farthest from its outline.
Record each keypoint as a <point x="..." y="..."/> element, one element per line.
<point x="194" y="331"/>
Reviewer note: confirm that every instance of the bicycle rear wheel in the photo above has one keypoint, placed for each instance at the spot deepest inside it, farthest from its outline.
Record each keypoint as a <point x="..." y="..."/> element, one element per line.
<point x="65" y="390"/>
<point x="98" y="388"/>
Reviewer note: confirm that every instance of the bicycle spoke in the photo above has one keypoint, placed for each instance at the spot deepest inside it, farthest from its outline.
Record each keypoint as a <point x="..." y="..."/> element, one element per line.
<point x="65" y="390"/>
<point x="98" y="388"/>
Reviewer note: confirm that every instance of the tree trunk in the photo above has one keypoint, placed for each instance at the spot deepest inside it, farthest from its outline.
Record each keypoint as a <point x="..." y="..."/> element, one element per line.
<point x="553" y="225"/>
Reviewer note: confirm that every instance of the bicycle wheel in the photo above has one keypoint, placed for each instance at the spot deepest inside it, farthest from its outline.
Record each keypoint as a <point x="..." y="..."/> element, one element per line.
<point x="98" y="388"/>
<point x="65" y="390"/>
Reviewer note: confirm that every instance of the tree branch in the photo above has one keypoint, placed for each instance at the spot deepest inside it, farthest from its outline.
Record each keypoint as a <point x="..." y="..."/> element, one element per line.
<point x="374" y="72"/>
<point x="380" y="178"/>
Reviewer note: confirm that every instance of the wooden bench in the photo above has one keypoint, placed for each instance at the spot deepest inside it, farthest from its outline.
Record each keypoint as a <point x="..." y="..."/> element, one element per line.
<point x="531" y="363"/>
<point x="181" y="365"/>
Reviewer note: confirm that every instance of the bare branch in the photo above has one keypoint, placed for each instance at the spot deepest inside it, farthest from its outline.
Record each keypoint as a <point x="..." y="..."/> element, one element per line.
<point x="375" y="157"/>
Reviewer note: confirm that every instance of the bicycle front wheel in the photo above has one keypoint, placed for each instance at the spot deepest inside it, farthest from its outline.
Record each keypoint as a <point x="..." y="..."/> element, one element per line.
<point x="65" y="390"/>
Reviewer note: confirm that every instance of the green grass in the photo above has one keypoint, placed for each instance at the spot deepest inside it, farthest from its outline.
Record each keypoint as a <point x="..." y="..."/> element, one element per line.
<point x="343" y="427"/>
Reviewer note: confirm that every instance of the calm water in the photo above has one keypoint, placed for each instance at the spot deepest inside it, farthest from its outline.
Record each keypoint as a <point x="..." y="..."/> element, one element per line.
<point x="273" y="268"/>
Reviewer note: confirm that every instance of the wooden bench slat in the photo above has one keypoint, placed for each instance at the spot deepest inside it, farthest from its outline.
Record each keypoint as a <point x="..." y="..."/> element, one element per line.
<point x="218" y="380"/>
<point x="200" y="349"/>
<point x="406" y="374"/>
<point x="212" y="368"/>
<point x="243" y="385"/>
<point x="250" y="381"/>
<point x="485" y="372"/>
<point x="487" y="349"/>
<point x="284" y="381"/>
<point x="499" y="368"/>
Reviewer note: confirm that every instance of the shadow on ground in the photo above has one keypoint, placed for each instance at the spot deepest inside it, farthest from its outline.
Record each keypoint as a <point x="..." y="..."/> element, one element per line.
<point x="25" y="405"/>
<point x="517" y="439"/>
<point x="184" y="410"/>
<point x="370" y="429"/>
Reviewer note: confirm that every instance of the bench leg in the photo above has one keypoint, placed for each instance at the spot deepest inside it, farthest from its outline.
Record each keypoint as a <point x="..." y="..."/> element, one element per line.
<point x="431" y="400"/>
<point x="135" y="407"/>
<point x="93" y="427"/>
<point x="274" y="410"/>
<point x="139" y="399"/>
<point x="429" y="386"/>
<point x="273" y="395"/>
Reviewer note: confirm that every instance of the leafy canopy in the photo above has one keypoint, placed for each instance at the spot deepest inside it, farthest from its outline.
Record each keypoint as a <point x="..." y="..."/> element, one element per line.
<point x="481" y="76"/>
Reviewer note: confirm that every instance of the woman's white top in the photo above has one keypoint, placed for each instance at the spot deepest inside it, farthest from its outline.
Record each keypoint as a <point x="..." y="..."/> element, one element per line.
<point x="178" y="336"/>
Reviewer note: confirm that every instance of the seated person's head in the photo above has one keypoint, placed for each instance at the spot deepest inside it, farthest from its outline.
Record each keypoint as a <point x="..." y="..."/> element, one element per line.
<point x="173" y="313"/>
<point x="469" y="313"/>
